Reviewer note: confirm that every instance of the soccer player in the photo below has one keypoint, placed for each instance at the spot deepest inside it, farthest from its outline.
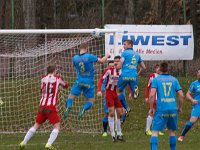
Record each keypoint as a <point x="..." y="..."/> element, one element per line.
<point x="105" y="118"/>
<point x="166" y="114"/>
<point x="148" y="88"/>
<point x="130" y="61"/>
<point x="112" y="101"/>
<point x="47" y="107"/>
<point x="83" y="63"/>
<point x="194" y="90"/>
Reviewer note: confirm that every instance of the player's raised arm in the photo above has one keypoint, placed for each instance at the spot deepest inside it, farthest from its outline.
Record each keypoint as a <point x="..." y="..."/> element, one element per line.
<point x="62" y="82"/>
<point x="103" y="59"/>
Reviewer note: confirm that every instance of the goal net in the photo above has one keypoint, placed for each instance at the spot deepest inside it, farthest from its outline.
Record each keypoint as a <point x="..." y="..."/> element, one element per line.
<point x="24" y="58"/>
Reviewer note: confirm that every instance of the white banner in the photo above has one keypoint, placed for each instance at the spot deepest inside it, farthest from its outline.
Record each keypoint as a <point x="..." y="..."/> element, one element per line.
<point x="154" y="42"/>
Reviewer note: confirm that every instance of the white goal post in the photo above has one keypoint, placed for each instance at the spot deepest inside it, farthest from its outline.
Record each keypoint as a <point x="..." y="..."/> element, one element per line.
<point x="24" y="56"/>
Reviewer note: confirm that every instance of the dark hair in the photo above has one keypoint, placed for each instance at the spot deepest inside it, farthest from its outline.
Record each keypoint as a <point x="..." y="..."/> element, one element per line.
<point x="129" y="42"/>
<point x="156" y="66"/>
<point x="111" y="61"/>
<point x="117" y="57"/>
<point x="83" y="46"/>
<point x="51" y="69"/>
<point x="164" y="67"/>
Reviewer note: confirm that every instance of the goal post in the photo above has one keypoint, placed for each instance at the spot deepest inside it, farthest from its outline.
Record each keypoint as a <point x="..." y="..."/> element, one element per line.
<point x="24" y="56"/>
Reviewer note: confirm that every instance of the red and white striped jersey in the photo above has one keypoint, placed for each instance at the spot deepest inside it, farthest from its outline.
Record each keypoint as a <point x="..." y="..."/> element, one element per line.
<point x="112" y="76"/>
<point x="148" y="86"/>
<point x="49" y="87"/>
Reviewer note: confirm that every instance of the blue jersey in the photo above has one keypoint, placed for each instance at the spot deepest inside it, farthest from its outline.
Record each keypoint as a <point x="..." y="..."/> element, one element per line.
<point x="84" y="66"/>
<point x="166" y="86"/>
<point x="195" y="89"/>
<point x="130" y="64"/>
<point x="103" y="87"/>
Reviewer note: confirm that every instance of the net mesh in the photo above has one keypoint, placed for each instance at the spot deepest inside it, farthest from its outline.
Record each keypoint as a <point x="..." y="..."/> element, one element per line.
<point x="23" y="59"/>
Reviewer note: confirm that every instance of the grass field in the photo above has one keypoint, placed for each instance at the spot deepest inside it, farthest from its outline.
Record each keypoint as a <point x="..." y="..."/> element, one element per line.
<point x="133" y="130"/>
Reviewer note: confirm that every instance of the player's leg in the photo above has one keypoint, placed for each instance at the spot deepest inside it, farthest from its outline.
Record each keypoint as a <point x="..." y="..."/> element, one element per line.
<point x="111" y="121"/>
<point x="29" y="135"/>
<point x="119" y="111"/>
<point x="149" y="120"/>
<point x="187" y="127"/>
<point x="89" y="94"/>
<point x="54" y="118"/>
<point x="75" y="91"/>
<point x="124" y="115"/>
<point x="136" y="90"/>
<point x="154" y="140"/>
<point x="194" y="117"/>
<point x="40" y="119"/>
<point x="172" y="126"/>
<point x="105" y="119"/>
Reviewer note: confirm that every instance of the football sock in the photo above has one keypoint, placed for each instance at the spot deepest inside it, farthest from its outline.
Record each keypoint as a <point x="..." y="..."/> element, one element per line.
<point x="119" y="130"/>
<point x="53" y="136"/>
<point x="154" y="142"/>
<point x="105" y="124"/>
<point x="87" y="105"/>
<point x="123" y="118"/>
<point x="29" y="134"/>
<point x="187" y="128"/>
<point x="123" y="101"/>
<point x="69" y="102"/>
<point x="149" y="122"/>
<point x="111" y="125"/>
<point x="172" y="142"/>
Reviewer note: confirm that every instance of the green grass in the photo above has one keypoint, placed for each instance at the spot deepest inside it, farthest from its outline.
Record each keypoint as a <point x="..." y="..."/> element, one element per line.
<point x="133" y="130"/>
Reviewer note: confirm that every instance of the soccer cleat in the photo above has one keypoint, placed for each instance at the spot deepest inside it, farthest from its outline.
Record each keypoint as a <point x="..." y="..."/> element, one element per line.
<point x="161" y="133"/>
<point x="105" y="134"/>
<point x="81" y="113"/>
<point x="120" y="138"/>
<point x="22" y="145"/>
<point x="127" y="112"/>
<point x="114" y="139"/>
<point x="66" y="113"/>
<point x="148" y="132"/>
<point x="181" y="138"/>
<point x="136" y="92"/>
<point x="49" y="147"/>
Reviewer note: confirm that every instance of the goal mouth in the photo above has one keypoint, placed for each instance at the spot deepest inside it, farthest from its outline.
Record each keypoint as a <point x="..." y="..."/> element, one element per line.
<point x="24" y="57"/>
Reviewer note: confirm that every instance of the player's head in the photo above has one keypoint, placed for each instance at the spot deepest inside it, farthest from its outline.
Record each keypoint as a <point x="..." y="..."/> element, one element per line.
<point x="128" y="44"/>
<point x="198" y="74"/>
<point x="83" y="47"/>
<point x="51" y="69"/>
<point x="117" y="62"/>
<point x="110" y="63"/>
<point x="164" y="67"/>
<point x="157" y="68"/>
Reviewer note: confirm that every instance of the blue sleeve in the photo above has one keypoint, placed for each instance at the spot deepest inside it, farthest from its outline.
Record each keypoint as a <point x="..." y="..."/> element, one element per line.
<point x="123" y="54"/>
<point x="73" y="61"/>
<point x="191" y="88"/>
<point x="154" y="83"/>
<point x="103" y="87"/>
<point x="93" y="58"/>
<point x="139" y="59"/>
<point x="178" y="87"/>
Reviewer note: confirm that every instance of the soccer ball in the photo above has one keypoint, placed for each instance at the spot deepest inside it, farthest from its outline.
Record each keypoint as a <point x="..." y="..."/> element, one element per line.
<point x="97" y="33"/>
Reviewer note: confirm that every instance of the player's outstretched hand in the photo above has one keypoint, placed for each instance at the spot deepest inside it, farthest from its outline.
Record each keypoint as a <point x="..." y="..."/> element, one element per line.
<point x="99" y="93"/>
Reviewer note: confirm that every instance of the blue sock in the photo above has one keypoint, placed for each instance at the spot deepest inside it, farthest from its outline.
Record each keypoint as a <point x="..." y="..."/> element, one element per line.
<point x="87" y="105"/>
<point x="154" y="142"/>
<point x="123" y="118"/>
<point x="172" y="142"/>
<point x="105" y="124"/>
<point x="123" y="101"/>
<point x="69" y="102"/>
<point x="188" y="126"/>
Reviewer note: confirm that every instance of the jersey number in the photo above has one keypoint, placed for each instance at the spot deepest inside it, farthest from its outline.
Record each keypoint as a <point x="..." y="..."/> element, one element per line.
<point x="81" y="64"/>
<point x="167" y="88"/>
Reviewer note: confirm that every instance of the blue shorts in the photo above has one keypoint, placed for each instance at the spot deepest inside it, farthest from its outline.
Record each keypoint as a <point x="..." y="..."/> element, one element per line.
<point x="105" y="108"/>
<point x="165" y="119"/>
<point x="195" y="111"/>
<point x="87" y="89"/>
<point x="124" y="81"/>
